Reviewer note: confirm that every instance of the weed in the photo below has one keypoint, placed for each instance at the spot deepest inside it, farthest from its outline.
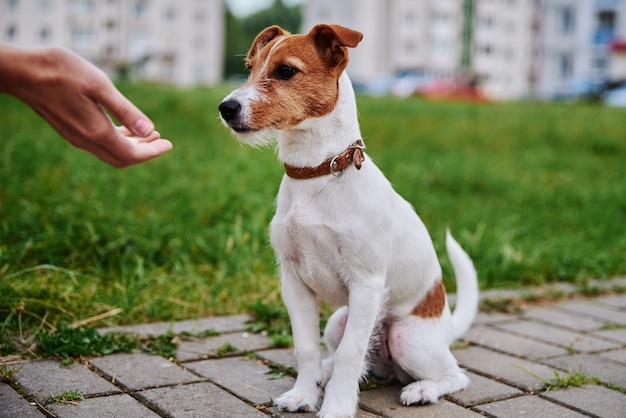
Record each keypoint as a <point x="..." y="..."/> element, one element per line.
<point x="201" y="334"/>
<point x="620" y="290"/>
<point x="281" y="340"/>
<point x="7" y="374"/>
<point x="278" y="371"/>
<point x="611" y="325"/>
<point x="273" y="319"/>
<point x="225" y="349"/>
<point x="572" y="379"/>
<point x="70" y="396"/>
<point x="69" y="343"/>
<point x="164" y="345"/>
<point x="501" y="305"/>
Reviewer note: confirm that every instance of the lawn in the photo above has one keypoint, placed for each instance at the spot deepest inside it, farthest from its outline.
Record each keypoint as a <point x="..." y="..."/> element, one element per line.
<point x="535" y="193"/>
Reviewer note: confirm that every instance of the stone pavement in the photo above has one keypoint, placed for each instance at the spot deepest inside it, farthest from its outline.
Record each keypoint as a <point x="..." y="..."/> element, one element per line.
<point x="506" y="356"/>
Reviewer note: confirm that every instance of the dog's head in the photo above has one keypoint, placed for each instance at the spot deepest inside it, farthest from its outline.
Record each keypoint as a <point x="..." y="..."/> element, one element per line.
<point x="292" y="78"/>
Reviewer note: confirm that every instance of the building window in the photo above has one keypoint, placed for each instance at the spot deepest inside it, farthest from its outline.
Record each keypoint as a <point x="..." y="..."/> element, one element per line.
<point x="140" y="8"/>
<point x="410" y="19"/>
<point x="11" y="33"/>
<point x="605" y="27"/>
<point x="600" y="64"/>
<point x="44" y="34"/>
<point x="109" y="51"/>
<point x="410" y="47"/>
<point x="170" y="14"/>
<point x="44" y="6"/>
<point x="565" y="66"/>
<point x="567" y="19"/>
<point x="82" y="6"/>
<point x="80" y="34"/>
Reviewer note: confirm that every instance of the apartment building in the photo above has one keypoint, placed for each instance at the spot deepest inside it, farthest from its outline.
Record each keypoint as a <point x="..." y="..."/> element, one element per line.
<point x="516" y="48"/>
<point x="171" y="41"/>
<point x="399" y="35"/>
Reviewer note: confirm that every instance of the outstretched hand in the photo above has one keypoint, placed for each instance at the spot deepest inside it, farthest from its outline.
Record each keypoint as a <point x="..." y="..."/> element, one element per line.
<point x="73" y="95"/>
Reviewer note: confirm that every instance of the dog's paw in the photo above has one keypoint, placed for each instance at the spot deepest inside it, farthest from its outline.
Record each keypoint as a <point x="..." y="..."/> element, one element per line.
<point x="420" y="393"/>
<point x="336" y="411"/>
<point x="295" y="401"/>
<point x="340" y="401"/>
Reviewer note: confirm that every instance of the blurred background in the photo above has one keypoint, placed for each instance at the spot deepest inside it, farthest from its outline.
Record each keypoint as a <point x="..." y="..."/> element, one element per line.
<point x="475" y="49"/>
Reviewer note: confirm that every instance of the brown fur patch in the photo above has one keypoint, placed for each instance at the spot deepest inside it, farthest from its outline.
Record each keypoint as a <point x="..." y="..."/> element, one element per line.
<point x="319" y="58"/>
<point x="433" y="303"/>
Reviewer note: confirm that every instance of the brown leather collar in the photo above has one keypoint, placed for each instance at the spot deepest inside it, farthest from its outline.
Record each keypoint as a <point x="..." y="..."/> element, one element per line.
<point x="334" y="165"/>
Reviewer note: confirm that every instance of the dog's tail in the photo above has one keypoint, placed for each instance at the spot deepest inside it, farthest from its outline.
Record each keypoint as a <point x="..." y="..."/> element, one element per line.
<point x="466" y="287"/>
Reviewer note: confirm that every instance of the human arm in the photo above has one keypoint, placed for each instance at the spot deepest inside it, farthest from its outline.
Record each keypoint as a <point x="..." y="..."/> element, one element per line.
<point x="72" y="95"/>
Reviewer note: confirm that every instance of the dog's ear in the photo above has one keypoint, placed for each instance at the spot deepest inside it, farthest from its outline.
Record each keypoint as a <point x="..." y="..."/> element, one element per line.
<point x="331" y="42"/>
<point x="263" y="39"/>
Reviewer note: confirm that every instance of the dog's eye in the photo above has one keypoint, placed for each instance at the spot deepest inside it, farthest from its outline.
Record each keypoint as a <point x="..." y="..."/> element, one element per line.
<point x="285" y="72"/>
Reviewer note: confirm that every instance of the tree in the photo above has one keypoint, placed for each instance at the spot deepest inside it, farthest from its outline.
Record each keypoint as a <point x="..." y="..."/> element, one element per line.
<point x="241" y="32"/>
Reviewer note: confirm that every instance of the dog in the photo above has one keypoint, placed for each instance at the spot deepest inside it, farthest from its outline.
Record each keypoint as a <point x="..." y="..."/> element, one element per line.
<point x="342" y="234"/>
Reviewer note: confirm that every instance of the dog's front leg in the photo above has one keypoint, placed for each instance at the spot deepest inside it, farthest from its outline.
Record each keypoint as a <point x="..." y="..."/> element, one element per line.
<point x="342" y="391"/>
<point x="303" y="310"/>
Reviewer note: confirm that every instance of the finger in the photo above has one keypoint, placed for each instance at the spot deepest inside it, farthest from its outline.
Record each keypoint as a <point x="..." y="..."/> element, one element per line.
<point x="135" y="153"/>
<point x="153" y="136"/>
<point x="122" y="109"/>
<point x="132" y="149"/>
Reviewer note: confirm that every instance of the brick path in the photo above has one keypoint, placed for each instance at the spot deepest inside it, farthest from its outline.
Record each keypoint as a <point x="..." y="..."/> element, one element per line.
<point x="505" y="355"/>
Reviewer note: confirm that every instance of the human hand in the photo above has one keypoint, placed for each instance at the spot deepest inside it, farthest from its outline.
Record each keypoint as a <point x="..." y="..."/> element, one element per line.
<point x="72" y="95"/>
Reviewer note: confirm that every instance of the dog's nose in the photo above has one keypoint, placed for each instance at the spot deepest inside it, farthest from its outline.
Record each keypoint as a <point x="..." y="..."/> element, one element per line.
<point x="229" y="109"/>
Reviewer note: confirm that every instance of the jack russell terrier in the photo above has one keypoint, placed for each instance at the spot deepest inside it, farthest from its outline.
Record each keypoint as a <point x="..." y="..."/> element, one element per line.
<point x="342" y="234"/>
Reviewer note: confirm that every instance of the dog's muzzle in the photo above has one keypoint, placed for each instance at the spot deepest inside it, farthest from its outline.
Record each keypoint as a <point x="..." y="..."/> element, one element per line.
<point x="230" y="110"/>
<point x="231" y="114"/>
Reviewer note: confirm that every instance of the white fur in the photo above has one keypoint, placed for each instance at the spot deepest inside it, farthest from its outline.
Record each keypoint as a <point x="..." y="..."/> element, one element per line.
<point x="353" y="241"/>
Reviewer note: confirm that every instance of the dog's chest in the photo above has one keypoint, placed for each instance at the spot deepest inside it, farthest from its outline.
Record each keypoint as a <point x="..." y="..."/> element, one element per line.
<point x="311" y="249"/>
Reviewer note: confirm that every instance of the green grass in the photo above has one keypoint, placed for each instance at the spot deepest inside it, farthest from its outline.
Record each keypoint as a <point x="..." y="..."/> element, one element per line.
<point x="534" y="192"/>
<point x="69" y="396"/>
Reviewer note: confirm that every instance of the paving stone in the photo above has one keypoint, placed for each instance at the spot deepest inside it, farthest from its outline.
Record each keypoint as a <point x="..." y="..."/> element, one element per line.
<point x="613" y="334"/>
<point x="198" y="400"/>
<point x="593" y="399"/>
<point x="43" y="378"/>
<point x="563" y="319"/>
<point x="605" y="313"/>
<point x="283" y="356"/>
<point x="140" y="370"/>
<point x="616" y="355"/>
<point x="593" y="366"/>
<point x="209" y="347"/>
<point x="114" y="406"/>
<point x="249" y="379"/>
<point x="558" y="336"/>
<point x="514" y="371"/>
<point x="280" y="414"/>
<point x="14" y="405"/>
<point x="218" y="323"/>
<point x="483" y="390"/>
<point x="512" y="344"/>
<point x="386" y="401"/>
<point x="491" y="318"/>
<point x="616" y="301"/>
<point x="527" y="406"/>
